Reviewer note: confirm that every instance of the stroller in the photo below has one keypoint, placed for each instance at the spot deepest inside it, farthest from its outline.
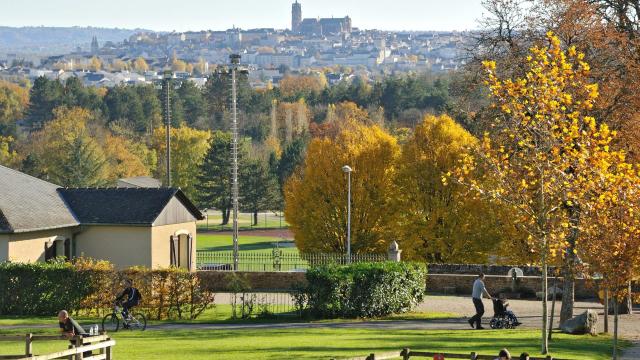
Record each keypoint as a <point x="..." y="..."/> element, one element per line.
<point x="502" y="318"/>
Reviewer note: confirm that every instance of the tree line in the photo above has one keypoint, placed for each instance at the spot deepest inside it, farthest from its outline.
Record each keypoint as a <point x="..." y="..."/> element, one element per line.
<point x="75" y="135"/>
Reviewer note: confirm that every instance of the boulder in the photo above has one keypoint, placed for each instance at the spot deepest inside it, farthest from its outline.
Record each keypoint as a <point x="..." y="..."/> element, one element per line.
<point x="585" y="323"/>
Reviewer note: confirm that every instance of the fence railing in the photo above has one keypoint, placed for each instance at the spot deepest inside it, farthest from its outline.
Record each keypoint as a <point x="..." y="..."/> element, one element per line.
<point x="407" y="354"/>
<point x="276" y="261"/>
<point x="265" y="304"/>
<point x="81" y="345"/>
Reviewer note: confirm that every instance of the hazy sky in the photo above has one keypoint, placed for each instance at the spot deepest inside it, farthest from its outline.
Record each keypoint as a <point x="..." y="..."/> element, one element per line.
<point x="185" y="15"/>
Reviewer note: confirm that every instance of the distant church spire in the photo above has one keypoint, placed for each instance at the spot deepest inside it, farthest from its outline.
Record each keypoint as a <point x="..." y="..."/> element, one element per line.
<point x="95" y="47"/>
<point x="296" y="16"/>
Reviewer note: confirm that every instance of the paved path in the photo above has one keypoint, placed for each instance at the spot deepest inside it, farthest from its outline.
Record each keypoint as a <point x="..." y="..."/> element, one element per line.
<point x="529" y="313"/>
<point x="632" y="353"/>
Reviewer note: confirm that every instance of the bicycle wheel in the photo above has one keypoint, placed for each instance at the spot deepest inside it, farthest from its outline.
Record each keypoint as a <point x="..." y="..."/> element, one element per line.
<point x="110" y="323"/>
<point x="138" y="321"/>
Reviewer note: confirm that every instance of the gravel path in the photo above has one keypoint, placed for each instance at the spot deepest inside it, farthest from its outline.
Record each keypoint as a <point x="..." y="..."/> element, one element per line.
<point x="528" y="312"/>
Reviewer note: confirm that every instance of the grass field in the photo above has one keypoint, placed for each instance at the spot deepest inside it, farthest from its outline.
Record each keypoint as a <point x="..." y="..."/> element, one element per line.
<point x="220" y="314"/>
<point x="248" y="244"/>
<point x="325" y="343"/>
<point x="266" y="220"/>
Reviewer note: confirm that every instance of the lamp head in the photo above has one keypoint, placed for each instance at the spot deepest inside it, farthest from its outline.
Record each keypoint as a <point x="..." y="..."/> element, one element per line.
<point x="347" y="169"/>
<point x="235" y="58"/>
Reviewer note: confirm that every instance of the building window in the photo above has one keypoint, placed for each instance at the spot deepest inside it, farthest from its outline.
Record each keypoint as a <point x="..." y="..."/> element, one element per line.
<point x="49" y="250"/>
<point x="57" y="248"/>
<point x="174" y="250"/>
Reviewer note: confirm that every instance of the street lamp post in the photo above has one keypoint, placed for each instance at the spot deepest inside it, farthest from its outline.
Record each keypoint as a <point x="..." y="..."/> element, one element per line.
<point x="347" y="169"/>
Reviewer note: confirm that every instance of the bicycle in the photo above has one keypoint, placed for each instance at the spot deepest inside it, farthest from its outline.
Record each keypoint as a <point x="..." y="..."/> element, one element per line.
<point x="135" y="321"/>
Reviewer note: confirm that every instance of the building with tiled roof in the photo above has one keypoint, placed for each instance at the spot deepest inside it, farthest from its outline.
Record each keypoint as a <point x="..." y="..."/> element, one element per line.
<point x="134" y="226"/>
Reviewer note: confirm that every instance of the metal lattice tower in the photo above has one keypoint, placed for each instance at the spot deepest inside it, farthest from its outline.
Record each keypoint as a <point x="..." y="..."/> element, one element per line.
<point x="235" y="61"/>
<point x="166" y="87"/>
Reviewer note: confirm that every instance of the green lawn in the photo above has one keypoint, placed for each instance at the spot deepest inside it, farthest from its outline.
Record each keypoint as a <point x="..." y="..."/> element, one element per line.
<point x="267" y="220"/>
<point x="326" y="343"/>
<point x="248" y="244"/>
<point x="220" y="314"/>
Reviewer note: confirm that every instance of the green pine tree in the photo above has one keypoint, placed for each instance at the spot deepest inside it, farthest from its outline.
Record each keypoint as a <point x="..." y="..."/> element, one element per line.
<point x="84" y="165"/>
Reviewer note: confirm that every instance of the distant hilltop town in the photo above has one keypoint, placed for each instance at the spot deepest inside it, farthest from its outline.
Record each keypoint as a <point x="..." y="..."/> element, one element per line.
<point x="310" y="44"/>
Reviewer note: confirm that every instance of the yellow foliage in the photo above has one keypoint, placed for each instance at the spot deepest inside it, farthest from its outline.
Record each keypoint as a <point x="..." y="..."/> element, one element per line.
<point x="188" y="149"/>
<point x="443" y="222"/>
<point x="124" y="157"/>
<point x="8" y="156"/>
<point x="292" y="85"/>
<point x="316" y="196"/>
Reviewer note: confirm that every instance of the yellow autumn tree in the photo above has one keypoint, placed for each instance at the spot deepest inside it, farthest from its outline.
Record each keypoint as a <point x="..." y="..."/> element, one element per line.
<point x="188" y="149"/>
<point x="291" y="86"/>
<point x="8" y="156"/>
<point x="95" y="64"/>
<point x="611" y="247"/>
<point x="537" y="157"/>
<point x="316" y="196"/>
<point x="126" y="158"/>
<point x="70" y="153"/>
<point x="445" y="223"/>
<point x="140" y="65"/>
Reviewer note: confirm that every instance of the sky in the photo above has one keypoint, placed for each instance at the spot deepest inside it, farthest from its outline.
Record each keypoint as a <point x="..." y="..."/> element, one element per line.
<point x="185" y="15"/>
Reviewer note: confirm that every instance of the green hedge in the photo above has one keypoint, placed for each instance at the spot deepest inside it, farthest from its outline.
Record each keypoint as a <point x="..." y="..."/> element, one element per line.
<point x="89" y="287"/>
<point x="41" y="288"/>
<point x="363" y="289"/>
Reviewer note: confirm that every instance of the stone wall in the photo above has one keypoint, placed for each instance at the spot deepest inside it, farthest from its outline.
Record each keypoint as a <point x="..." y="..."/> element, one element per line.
<point x="461" y="284"/>
<point x="455" y="284"/>
<point x="218" y="280"/>
<point x="475" y="269"/>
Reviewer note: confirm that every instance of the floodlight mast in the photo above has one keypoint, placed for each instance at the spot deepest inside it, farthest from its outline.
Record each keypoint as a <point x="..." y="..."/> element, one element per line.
<point x="166" y="84"/>
<point x="235" y="63"/>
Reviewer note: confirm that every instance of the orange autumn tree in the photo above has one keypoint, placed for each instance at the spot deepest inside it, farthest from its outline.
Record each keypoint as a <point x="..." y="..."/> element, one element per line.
<point x="611" y="247"/>
<point x="536" y="158"/>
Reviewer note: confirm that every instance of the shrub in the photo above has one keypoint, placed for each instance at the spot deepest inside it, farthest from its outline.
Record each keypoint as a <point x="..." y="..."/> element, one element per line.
<point x="363" y="289"/>
<point x="41" y="288"/>
<point x="89" y="287"/>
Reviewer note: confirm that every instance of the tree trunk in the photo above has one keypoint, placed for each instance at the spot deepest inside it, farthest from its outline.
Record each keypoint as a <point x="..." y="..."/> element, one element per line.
<point x="606" y="310"/>
<point x="629" y="299"/>
<point x="545" y="312"/>
<point x="615" y="331"/>
<point x="553" y="305"/>
<point x="225" y="216"/>
<point x="255" y="218"/>
<point x="568" y="267"/>
<point x="568" y="296"/>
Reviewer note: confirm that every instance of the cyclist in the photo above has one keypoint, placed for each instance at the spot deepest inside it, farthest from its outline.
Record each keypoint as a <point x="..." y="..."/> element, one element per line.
<point x="128" y="298"/>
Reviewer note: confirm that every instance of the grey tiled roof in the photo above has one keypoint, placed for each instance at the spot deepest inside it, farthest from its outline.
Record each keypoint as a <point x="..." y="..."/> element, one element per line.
<point x="30" y="204"/>
<point x="132" y="206"/>
<point x="140" y="181"/>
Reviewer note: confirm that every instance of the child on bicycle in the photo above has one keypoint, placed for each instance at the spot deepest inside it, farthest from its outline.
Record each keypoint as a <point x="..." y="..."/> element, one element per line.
<point x="128" y="298"/>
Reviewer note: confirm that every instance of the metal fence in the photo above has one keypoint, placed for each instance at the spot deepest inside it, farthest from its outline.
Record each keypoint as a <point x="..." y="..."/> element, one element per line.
<point x="276" y="261"/>
<point x="264" y="303"/>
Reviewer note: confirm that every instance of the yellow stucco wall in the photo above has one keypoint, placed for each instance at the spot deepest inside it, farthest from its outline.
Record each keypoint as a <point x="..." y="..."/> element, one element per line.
<point x="4" y="247"/>
<point x="124" y="246"/>
<point x="161" y="250"/>
<point x="29" y="247"/>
